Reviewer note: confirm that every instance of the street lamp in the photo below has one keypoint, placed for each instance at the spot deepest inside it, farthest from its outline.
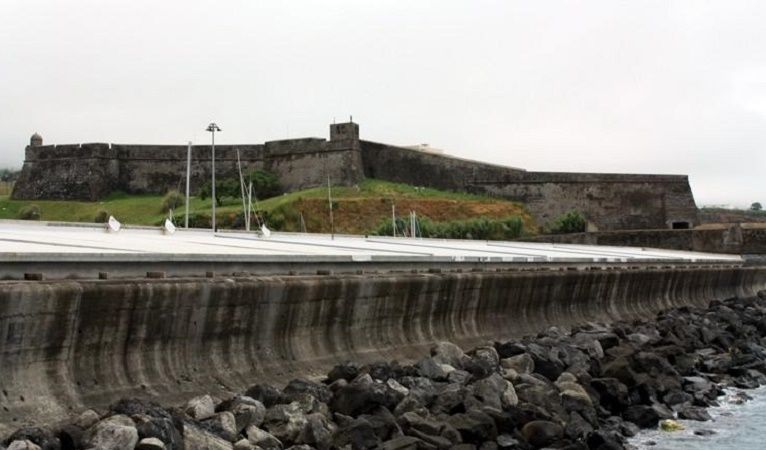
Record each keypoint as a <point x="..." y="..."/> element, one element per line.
<point x="212" y="128"/>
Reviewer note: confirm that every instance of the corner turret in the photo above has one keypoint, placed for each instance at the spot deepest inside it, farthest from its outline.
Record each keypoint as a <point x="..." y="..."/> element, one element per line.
<point x="36" y="140"/>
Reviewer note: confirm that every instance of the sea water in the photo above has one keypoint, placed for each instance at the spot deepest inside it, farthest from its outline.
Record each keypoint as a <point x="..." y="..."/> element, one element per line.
<point x="736" y="426"/>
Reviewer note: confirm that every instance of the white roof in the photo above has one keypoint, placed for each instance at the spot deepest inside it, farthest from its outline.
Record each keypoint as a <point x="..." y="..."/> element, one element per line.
<point x="26" y="239"/>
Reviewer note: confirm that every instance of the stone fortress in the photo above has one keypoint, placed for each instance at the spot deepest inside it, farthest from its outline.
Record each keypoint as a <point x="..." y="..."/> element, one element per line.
<point x="609" y="201"/>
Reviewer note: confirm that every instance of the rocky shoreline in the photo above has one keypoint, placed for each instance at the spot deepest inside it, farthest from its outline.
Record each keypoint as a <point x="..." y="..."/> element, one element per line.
<point x="591" y="387"/>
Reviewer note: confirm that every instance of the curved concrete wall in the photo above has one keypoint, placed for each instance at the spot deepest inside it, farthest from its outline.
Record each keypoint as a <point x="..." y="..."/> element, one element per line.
<point x="66" y="344"/>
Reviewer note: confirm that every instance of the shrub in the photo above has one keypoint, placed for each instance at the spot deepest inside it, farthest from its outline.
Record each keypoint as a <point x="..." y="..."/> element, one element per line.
<point x="172" y="200"/>
<point x="571" y="222"/>
<point x="480" y="228"/>
<point x="30" y="212"/>
<point x="102" y="216"/>
<point x="265" y="184"/>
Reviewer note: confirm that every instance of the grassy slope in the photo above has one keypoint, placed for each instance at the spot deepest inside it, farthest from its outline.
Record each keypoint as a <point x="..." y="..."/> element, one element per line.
<point x="358" y="209"/>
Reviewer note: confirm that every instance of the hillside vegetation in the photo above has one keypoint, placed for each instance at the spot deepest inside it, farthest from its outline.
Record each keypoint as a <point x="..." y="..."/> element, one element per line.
<point x="360" y="209"/>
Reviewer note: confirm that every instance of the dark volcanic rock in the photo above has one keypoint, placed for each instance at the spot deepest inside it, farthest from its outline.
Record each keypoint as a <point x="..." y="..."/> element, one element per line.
<point x="541" y="433"/>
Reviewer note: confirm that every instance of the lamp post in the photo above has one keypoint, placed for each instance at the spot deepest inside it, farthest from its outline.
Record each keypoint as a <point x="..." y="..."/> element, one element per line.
<point x="212" y="128"/>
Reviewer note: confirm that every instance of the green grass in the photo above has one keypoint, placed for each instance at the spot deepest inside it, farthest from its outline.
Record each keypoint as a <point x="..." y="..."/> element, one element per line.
<point x="138" y="210"/>
<point x="147" y="210"/>
<point x="368" y="188"/>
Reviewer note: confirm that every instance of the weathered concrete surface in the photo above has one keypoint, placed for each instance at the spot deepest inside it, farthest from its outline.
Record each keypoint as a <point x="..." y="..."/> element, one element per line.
<point x="66" y="344"/>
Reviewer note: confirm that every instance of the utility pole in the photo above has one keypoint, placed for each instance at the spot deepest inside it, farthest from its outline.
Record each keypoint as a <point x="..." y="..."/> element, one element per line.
<point x="329" y="199"/>
<point x="212" y="128"/>
<point x="188" y="175"/>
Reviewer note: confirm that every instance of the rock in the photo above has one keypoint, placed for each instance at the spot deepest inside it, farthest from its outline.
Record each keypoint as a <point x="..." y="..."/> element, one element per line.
<point x="547" y="361"/>
<point x="694" y="413"/>
<point x="541" y="433"/>
<point x="474" y="426"/>
<point x="345" y="371"/>
<point x="359" y="433"/>
<point x="396" y="386"/>
<point x="411" y="421"/>
<point x="671" y="425"/>
<point x="612" y="392"/>
<point x="449" y="398"/>
<point x="432" y="440"/>
<point x="162" y="428"/>
<point x="201" y="407"/>
<point x="402" y="443"/>
<point x="262" y="438"/>
<point x="604" y="440"/>
<point x="150" y="444"/>
<point x="642" y="415"/>
<point x="297" y="387"/>
<point x="266" y="394"/>
<point x="317" y="431"/>
<point x="42" y="437"/>
<point x="244" y="444"/>
<point x="285" y="421"/>
<point x="430" y="368"/>
<point x="362" y="396"/>
<point x="506" y="441"/>
<point x="196" y="437"/>
<point x="87" y="419"/>
<point x="459" y="376"/>
<point x="577" y="427"/>
<point x="70" y="436"/>
<point x="223" y="424"/>
<point x="704" y="432"/>
<point x="489" y="390"/>
<point x="448" y="353"/>
<point x="23" y="445"/>
<point x="247" y="411"/>
<point x="113" y="433"/>
<point x="421" y="388"/>
<point x="522" y="363"/>
<point x="482" y="361"/>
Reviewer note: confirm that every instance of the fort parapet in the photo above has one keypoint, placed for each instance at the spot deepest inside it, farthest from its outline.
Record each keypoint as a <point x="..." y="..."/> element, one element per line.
<point x="609" y="201"/>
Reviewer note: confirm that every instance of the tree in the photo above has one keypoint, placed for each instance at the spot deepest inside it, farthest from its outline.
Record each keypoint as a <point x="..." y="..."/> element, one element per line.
<point x="756" y="206"/>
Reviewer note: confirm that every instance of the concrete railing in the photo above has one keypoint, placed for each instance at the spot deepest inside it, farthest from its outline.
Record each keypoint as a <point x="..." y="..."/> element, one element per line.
<point x="65" y="345"/>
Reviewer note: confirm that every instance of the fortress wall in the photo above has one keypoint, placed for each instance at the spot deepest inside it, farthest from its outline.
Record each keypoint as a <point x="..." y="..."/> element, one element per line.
<point x="70" y="344"/>
<point x="92" y="171"/>
<point x="609" y="201"/>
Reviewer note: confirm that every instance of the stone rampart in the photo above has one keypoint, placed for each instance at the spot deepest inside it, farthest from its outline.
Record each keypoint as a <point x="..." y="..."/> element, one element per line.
<point x="70" y="344"/>
<point x="92" y="171"/>
<point x="609" y="201"/>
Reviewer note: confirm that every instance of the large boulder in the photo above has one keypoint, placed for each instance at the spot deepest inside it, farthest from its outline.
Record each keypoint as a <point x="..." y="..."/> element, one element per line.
<point x="448" y="353"/>
<point x="201" y="407"/>
<point x="474" y="426"/>
<point x="262" y="438"/>
<point x="247" y="411"/>
<point x="541" y="433"/>
<point x="165" y="429"/>
<point x="642" y="415"/>
<point x="113" y="433"/>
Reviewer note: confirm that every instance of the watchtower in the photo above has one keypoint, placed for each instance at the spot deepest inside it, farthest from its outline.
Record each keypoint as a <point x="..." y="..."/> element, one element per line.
<point x="348" y="131"/>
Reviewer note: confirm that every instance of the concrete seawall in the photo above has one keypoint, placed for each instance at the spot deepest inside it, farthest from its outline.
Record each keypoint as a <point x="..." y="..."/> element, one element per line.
<point x="68" y="344"/>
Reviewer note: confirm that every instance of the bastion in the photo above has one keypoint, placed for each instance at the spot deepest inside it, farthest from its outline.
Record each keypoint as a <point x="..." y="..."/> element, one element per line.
<point x="91" y="171"/>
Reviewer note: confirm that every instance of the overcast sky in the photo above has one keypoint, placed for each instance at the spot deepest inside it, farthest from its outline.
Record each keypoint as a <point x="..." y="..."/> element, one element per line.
<point x="605" y="86"/>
